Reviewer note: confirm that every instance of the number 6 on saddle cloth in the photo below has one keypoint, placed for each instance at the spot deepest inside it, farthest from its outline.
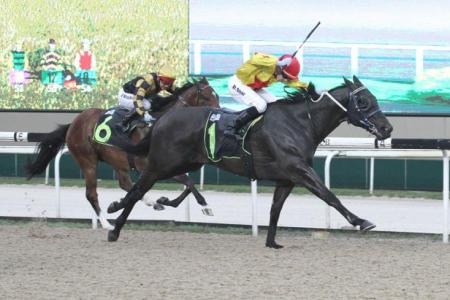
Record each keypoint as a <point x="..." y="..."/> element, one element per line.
<point x="108" y="128"/>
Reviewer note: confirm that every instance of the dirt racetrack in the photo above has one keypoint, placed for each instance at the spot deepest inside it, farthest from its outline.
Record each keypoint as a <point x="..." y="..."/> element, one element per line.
<point x="41" y="262"/>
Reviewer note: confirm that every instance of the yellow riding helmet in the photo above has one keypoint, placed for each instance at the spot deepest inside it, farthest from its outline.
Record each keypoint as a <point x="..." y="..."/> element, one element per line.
<point x="167" y="74"/>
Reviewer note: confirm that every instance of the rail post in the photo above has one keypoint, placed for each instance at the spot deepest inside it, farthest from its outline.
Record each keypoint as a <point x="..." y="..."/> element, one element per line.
<point x="445" y="192"/>
<point x="254" y="185"/>
<point x="197" y="58"/>
<point x="327" y="184"/>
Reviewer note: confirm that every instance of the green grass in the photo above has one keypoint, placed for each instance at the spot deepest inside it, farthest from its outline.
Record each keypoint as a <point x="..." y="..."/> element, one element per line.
<point x="233" y="188"/>
<point x="129" y="38"/>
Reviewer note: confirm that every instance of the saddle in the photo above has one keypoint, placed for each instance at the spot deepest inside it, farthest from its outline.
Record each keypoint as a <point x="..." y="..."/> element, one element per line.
<point x="108" y="130"/>
<point x="219" y="146"/>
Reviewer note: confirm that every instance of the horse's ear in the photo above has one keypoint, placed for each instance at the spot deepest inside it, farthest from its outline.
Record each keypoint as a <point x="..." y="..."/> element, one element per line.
<point x="203" y="79"/>
<point x="356" y="81"/>
<point x="312" y="91"/>
<point x="348" y="83"/>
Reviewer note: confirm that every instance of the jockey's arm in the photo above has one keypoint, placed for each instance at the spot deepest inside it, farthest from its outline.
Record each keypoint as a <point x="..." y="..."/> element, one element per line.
<point x="158" y="102"/>
<point x="143" y="87"/>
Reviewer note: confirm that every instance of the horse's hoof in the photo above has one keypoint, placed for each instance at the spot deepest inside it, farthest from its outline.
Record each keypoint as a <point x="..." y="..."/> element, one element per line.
<point x="158" y="206"/>
<point x="112" y="236"/>
<point x="202" y="202"/>
<point x="366" y="226"/>
<point x="273" y="245"/>
<point x="113" y="207"/>
<point x="207" y="212"/>
<point x="162" y="200"/>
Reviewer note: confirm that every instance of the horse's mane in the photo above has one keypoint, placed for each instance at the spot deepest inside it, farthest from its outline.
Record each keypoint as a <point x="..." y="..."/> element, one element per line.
<point x="300" y="95"/>
<point x="187" y="85"/>
<point x="303" y="94"/>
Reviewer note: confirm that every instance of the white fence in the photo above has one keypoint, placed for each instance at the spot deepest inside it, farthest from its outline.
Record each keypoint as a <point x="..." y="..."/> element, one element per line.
<point x="333" y="147"/>
<point x="354" y="51"/>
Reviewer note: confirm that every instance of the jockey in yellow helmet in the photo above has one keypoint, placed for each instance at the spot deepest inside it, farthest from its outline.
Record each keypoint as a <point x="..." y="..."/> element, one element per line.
<point x="136" y="93"/>
<point x="249" y="84"/>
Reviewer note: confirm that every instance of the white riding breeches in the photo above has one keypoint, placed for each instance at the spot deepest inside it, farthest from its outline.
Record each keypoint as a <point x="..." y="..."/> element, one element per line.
<point x="126" y="100"/>
<point x="248" y="96"/>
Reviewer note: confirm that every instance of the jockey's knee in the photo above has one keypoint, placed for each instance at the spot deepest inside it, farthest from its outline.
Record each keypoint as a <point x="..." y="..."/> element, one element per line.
<point x="261" y="107"/>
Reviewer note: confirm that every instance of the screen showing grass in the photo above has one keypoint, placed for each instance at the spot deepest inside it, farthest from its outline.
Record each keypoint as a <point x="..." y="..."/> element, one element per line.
<point x="76" y="55"/>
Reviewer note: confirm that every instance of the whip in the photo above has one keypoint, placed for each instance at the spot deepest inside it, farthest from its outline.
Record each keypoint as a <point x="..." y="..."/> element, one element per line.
<point x="307" y="37"/>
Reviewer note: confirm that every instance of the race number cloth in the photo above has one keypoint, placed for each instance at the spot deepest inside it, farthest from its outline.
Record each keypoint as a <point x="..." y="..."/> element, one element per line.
<point x="217" y="145"/>
<point x="109" y="130"/>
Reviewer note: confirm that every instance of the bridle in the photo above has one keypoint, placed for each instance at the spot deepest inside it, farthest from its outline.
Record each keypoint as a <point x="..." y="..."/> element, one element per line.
<point x="358" y="116"/>
<point x="199" y="95"/>
<point x="354" y="114"/>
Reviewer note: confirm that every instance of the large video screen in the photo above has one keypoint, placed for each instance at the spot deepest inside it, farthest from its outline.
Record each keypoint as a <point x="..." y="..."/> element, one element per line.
<point x="74" y="55"/>
<point x="403" y="58"/>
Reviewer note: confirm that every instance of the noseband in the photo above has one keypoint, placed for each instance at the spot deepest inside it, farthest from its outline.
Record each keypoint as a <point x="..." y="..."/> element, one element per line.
<point x="354" y="114"/>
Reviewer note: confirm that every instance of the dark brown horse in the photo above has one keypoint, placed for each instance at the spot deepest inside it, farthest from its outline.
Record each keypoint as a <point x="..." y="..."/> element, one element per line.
<point x="283" y="147"/>
<point x="79" y="138"/>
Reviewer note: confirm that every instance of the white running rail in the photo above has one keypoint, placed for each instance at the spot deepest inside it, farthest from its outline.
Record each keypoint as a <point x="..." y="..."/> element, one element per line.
<point x="354" y="51"/>
<point x="331" y="148"/>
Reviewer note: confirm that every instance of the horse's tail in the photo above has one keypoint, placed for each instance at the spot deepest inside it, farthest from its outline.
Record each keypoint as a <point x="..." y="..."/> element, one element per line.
<point x="139" y="149"/>
<point x="48" y="148"/>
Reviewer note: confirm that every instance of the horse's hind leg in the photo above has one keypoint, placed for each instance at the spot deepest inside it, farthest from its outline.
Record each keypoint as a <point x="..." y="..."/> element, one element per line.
<point x="303" y="174"/>
<point x="189" y="183"/>
<point x="125" y="182"/>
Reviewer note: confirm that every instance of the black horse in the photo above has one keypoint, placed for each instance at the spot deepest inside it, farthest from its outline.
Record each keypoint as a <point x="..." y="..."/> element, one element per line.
<point x="283" y="147"/>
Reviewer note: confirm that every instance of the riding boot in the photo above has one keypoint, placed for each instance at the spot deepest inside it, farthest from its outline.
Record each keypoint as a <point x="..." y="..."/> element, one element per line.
<point x="129" y="117"/>
<point x="243" y="118"/>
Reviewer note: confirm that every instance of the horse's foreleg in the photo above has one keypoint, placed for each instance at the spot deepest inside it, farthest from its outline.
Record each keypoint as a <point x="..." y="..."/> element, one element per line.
<point x="305" y="175"/>
<point x="126" y="184"/>
<point x="134" y="195"/>
<point x="113" y="235"/>
<point x="282" y="191"/>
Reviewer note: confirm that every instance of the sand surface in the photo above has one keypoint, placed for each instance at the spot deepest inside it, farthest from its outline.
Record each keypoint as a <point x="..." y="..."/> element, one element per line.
<point x="41" y="262"/>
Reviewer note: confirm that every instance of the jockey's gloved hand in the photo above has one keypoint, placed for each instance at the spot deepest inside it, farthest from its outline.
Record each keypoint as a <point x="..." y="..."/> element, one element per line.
<point x="148" y="117"/>
<point x="284" y="62"/>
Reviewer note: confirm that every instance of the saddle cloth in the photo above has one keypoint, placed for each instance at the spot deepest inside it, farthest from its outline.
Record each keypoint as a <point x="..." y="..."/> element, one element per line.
<point x="219" y="146"/>
<point x="109" y="130"/>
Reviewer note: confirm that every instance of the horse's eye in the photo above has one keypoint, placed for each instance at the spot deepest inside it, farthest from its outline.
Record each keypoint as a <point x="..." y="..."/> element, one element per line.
<point x="363" y="104"/>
